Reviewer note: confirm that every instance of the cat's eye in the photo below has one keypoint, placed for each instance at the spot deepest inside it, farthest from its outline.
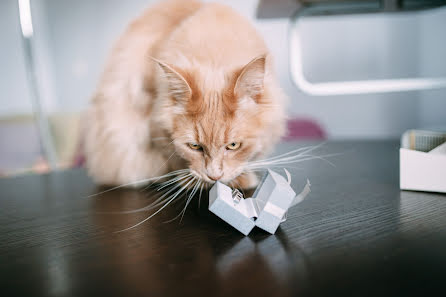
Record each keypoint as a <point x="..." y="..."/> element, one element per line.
<point x="194" y="146"/>
<point x="233" y="146"/>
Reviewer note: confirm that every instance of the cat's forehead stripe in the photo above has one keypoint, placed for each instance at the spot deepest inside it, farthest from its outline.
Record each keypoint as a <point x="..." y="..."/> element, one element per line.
<point x="212" y="91"/>
<point x="211" y="131"/>
<point x="212" y="112"/>
<point x="197" y="132"/>
<point x="212" y="78"/>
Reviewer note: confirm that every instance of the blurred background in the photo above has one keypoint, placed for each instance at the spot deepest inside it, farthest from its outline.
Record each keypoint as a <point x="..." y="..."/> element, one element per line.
<point x="71" y="39"/>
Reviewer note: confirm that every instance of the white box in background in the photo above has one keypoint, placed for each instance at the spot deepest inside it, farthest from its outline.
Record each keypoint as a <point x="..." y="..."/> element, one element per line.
<point x="423" y="161"/>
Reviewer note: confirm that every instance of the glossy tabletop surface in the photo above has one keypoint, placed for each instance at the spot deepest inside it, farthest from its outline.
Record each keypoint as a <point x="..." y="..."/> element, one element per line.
<point x="356" y="234"/>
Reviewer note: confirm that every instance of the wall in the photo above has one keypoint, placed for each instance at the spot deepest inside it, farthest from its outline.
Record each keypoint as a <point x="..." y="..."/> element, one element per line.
<point x="14" y="96"/>
<point x="77" y="35"/>
<point x="354" y="48"/>
<point x="432" y="112"/>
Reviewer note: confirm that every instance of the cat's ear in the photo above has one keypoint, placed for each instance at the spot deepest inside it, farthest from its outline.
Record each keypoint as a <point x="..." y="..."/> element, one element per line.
<point x="250" y="81"/>
<point x="179" y="89"/>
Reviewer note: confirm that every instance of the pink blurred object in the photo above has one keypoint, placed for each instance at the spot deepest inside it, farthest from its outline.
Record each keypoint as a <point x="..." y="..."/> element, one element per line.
<point x="79" y="160"/>
<point x="304" y="129"/>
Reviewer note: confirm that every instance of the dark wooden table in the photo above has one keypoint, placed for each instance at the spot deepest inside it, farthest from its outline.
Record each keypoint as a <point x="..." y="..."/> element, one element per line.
<point x="356" y="234"/>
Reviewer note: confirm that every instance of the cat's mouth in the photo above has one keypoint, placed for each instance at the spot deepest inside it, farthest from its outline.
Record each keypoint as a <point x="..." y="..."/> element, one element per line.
<point x="204" y="178"/>
<point x="210" y="181"/>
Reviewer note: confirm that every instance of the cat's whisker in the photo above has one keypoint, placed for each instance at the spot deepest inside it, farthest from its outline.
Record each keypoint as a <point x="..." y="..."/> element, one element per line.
<point x="322" y="157"/>
<point x="186" y="186"/>
<point x="198" y="183"/>
<point x="188" y="200"/>
<point x="266" y="166"/>
<point x="283" y="160"/>
<point x="159" y="201"/>
<point x="135" y="183"/>
<point x="161" y="208"/>
<point x="162" y="165"/>
<point x="172" y="181"/>
<point x="282" y="155"/>
<point x="201" y="191"/>
<point x="262" y="169"/>
<point x="290" y="160"/>
<point x="172" y="141"/>
<point x="191" y="196"/>
<point x="301" y="151"/>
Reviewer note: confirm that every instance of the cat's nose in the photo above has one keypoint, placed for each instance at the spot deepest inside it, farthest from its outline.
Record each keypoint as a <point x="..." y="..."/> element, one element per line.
<point x="215" y="177"/>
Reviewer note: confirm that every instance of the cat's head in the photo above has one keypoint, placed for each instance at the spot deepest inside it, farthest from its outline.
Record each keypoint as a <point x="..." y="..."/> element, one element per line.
<point x="219" y="121"/>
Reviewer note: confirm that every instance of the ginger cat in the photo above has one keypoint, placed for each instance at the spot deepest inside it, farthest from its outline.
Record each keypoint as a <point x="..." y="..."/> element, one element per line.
<point x="187" y="86"/>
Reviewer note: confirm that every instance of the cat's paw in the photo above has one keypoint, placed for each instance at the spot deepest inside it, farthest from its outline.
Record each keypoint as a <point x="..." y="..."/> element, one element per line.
<point x="246" y="181"/>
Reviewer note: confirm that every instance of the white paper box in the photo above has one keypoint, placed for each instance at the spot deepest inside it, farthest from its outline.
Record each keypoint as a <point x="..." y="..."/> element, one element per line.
<point x="274" y="197"/>
<point x="420" y="170"/>
<point x="222" y="204"/>
<point x="266" y="209"/>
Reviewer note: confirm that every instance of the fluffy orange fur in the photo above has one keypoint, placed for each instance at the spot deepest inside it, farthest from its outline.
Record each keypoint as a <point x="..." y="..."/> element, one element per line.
<point x="183" y="82"/>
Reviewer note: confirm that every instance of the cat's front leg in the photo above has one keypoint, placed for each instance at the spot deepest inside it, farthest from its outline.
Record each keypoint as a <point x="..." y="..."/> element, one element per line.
<point x="246" y="181"/>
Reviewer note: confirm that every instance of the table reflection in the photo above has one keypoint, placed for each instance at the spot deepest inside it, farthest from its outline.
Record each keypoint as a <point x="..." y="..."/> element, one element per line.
<point x="201" y="251"/>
